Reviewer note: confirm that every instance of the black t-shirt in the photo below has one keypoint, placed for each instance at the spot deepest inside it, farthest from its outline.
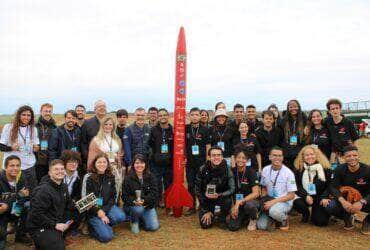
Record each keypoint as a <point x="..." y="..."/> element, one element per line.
<point x="196" y="136"/>
<point x="161" y="143"/>
<point x="224" y="135"/>
<point x="120" y="131"/>
<point x="342" y="134"/>
<point x="250" y="144"/>
<point x="360" y="180"/>
<point x="245" y="181"/>
<point x="321" y="138"/>
<point x="267" y="140"/>
<point x="253" y="125"/>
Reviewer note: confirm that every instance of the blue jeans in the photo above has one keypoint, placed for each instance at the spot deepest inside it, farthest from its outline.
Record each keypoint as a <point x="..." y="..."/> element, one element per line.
<point x="104" y="232"/>
<point x="278" y="212"/>
<point x="147" y="215"/>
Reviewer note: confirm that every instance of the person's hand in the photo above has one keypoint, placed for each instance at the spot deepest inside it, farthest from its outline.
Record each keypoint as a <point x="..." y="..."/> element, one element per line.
<point x="139" y="203"/>
<point x="346" y="205"/>
<point x="212" y="196"/>
<point x="306" y="130"/>
<point x="25" y="192"/>
<point x="61" y="227"/>
<point x="207" y="218"/>
<point x="3" y="208"/>
<point x="325" y="202"/>
<point x="356" y="207"/>
<point x="235" y="211"/>
<point x="105" y="219"/>
<point x="309" y="200"/>
<point x="36" y="148"/>
<point x="15" y="147"/>
<point x="268" y="205"/>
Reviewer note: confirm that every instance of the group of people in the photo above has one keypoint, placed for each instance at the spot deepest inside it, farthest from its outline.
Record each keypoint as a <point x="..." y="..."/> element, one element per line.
<point x="240" y="170"/>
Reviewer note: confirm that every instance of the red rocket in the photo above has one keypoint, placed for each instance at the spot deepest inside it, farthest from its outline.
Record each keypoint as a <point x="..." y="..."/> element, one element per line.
<point x="177" y="196"/>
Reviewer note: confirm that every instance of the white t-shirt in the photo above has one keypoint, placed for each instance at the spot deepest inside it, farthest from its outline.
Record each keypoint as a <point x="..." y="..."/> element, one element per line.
<point x="108" y="146"/>
<point x="285" y="181"/>
<point x="25" y="142"/>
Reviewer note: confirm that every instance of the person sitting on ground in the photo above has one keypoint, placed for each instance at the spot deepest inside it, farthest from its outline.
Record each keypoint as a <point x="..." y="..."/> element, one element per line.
<point x="313" y="176"/>
<point x="246" y="193"/>
<point x="105" y="214"/>
<point x="48" y="217"/>
<point x="351" y="190"/>
<point x="140" y="195"/>
<point x="214" y="187"/>
<point x="278" y="192"/>
<point x="14" y="199"/>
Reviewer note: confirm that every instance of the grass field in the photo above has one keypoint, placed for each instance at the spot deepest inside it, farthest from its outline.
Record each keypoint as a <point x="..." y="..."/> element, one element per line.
<point x="185" y="233"/>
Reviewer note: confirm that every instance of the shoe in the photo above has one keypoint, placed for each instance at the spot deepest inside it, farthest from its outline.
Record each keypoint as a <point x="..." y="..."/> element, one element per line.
<point x="365" y="229"/>
<point x="348" y="223"/>
<point x="135" y="227"/>
<point x="284" y="224"/>
<point x="270" y="225"/>
<point x="252" y="226"/>
<point x="189" y="212"/>
<point x="305" y="218"/>
<point x="84" y="228"/>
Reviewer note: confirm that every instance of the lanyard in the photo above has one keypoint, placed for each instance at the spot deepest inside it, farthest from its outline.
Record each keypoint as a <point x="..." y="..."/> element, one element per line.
<point x="44" y="131"/>
<point x="243" y="176"/>
<point x="195" y="134"/>
<point x="24" y="137"/>
<point x="316" y="135"/>
<point x="163" y="136"/>
<point x="72" y="138"/>
<point x="309" y="176"/>
<point x="293" y="126"/>
<point x="276" y="177"/>
<point x="221" y="135"/>
<point x="68" y="183"/>
<point x="110" y="144"/>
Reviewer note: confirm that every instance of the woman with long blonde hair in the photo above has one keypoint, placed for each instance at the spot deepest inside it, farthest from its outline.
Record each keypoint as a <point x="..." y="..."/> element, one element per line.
<point x="313" y="174"/>
<point x="108" y="142"/>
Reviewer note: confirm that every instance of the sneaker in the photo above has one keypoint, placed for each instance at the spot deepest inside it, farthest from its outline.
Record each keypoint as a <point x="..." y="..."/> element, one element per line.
<point x="284" y="225"/>
<point x="252" y="226"/>
<point x="135" y="227"/>
<point x="348" y="223"/>
<point x="365" y="229"/>
<point x="189" y="212"/>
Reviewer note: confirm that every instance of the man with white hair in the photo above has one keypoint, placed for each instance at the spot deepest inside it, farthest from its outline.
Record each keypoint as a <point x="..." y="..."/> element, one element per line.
<point x="91" y="127"/>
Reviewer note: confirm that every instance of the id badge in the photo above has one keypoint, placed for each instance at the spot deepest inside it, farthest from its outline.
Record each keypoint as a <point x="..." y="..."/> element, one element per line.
<point x="16" y="209"/>
<point x="293" y="140"/>
<point x="274" y="193"/>
<point x="74" y="149"/>
<point x="44" y="145"/>
<point x="164" y="148"/>
<point x="221" y="144"/>
<point x="311" y="189"/>
<point x="334" y="166"/>
<point x="249" y="163"/>
<point x="99" y="202"/>
<point x="239" y="197"/>
<point x="195" y="150"/>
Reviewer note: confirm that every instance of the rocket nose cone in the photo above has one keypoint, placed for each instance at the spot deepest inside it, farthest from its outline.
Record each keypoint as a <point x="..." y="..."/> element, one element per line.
<point x="181" y="44"/>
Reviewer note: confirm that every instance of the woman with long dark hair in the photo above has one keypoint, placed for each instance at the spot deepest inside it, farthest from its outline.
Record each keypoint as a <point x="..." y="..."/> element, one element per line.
<point x="317" y="133"/>
<point x="105" y="214"/>
<point x="204" y="118"/>
<point x="20" y="138"/>
<point x="140" y="195"/>
<point x="293" y="125"/>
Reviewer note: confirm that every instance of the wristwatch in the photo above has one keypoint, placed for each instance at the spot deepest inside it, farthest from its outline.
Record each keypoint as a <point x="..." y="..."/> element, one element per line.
<point x="363" y="202"/>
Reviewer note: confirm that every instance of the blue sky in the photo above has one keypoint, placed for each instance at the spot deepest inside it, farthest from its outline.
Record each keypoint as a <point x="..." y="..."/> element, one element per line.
<point x="69" y="52"/>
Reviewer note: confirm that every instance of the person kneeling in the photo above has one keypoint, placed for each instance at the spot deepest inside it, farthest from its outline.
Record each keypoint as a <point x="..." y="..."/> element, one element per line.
<point x="278" y="187"/>
<point x="351" y="190"/>
<point x="247" y="191"/>
<point x="13" y="201"/>
<point x="105" y="214"/>
<point x="214" y="187"/>
<point x="140" y="194"/>
<point x="47" y="219"/>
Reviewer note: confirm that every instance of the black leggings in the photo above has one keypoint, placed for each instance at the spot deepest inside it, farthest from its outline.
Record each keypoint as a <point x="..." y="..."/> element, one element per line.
<point x="225" y="205"/>
<point x="319" y="216"/>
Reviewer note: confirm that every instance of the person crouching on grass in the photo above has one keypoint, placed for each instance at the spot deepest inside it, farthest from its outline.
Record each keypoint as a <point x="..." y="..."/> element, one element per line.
<point x="106" y="214"/>
<point x="214" y="187"/>
<point x="140" y="195"/>
<point x="351" y="190"/>
<point x="246" y="204"/>
<point x="278" y="191"/>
